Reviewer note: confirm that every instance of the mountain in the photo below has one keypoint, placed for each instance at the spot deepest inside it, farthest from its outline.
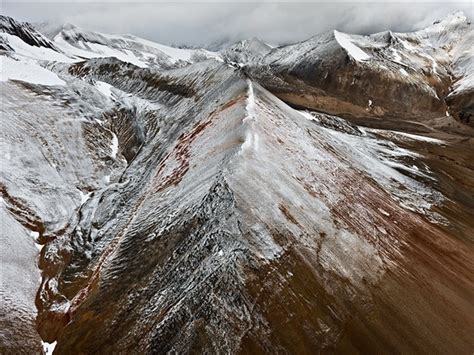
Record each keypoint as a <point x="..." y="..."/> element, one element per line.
<point x="316" y="197"/>
<point x="419" y="75"/>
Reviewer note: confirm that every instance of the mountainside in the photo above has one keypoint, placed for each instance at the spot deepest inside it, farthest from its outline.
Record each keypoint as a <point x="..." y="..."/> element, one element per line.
<point x="310" y="198"/>
<point x="418" y="76"/>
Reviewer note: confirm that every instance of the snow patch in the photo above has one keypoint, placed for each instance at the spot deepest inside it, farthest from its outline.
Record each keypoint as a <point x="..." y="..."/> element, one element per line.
<point x="114" y="146"/>
<point x="104" y="88"/>
<point x="308" y="116"/>
<point x="27" y="70"/>
<point x="33" y="52"/>
<point x="251" y="138"/>
<point x="464" y="84"/>
<point x="251" y="107"/>
<point x="420" y="138"/>
<point x="49" y="347"/>
<point x="125" y="56"/>
<point x="403" y="72"/>
<point x="346" y="42"/>
<point x="175" y="54"/>
<point x="84" y="197"/>
<point x="369" y="105"/>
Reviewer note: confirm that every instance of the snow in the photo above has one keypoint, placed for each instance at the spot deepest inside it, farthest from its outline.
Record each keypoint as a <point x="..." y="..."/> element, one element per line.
<point x="403" y="72"/>
<point x="62" y="44"/>
<point x="114" y="146"/>
<point x="251" y="139"/>
<point x="251" y="106"/>
<point x="125" y="56"/>
<point x="383" y="212"/>
<point x="84" y="197"/>
<point x="464" y="84"/>
<point x="35" y="236"/>
<point x="369" y="106"/>
<point x="381" y="160"/>
<point x="420" y="138"/>
<point x="411" y="136"/>
<point x="104" y="88"/>
<point x="27" y="70"/>
<point x="345" y="41"/>
<point x="308" y="116"/>
<point x="127" y="48"/>
<point x="396" y="56"/>
<point x="41" y="53"/>
<point x="49" y="347"/>
<point x="176" y="54"/>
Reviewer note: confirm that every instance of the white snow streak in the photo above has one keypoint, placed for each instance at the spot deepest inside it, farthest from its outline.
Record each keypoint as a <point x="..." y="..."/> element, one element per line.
<point x="114" y="146"/>
<point x="251" y="107"/>
<point x="403" y="71"/>
<point x="420" y="138"/>
<point x="345" y="41"/>
<point x="84" y="197"/>
<point x="251" y="138"/>
<point x="49" y="347"/>
<point x="104" y="88"/>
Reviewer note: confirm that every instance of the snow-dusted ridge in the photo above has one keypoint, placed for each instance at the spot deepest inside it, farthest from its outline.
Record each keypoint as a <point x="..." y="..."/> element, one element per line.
<point x="71" y="44"/>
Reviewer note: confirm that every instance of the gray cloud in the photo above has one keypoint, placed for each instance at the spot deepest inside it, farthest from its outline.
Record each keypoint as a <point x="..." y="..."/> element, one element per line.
<point x="201" y="23"/>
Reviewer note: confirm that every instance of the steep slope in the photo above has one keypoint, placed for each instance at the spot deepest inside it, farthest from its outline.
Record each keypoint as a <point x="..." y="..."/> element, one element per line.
<point x="55" y="149"/>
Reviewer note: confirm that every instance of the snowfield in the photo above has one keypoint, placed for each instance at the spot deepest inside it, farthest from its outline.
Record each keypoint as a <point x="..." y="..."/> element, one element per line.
<point x="26" y="70"/>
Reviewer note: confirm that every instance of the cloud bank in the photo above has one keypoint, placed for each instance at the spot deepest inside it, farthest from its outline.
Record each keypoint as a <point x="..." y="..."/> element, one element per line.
<point x="203" y="23"/>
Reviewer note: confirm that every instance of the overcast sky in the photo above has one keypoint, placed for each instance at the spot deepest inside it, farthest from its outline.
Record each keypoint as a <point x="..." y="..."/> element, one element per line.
<point x="200" y="23"/>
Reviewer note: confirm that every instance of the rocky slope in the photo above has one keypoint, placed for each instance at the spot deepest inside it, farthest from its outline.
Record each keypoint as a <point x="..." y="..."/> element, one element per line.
<point x="179" y="205"/>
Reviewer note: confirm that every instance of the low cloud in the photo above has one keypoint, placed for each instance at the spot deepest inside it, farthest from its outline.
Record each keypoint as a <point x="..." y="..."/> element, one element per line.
<point x="199" y="24"/>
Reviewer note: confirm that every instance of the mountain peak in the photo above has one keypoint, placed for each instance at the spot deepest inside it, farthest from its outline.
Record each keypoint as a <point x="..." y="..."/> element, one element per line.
<point x="24" y="31"/>
<point x="454" y="17"/>
<point x="450" y="22"/>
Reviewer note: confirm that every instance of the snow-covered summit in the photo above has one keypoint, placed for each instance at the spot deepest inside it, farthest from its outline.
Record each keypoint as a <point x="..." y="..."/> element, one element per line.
<point x="23" y="31"/>
<point x="346" y="42"/>
<point x="129" y="48"/>
<point x="71" y="43"/>
<point x="246" y="50"/>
